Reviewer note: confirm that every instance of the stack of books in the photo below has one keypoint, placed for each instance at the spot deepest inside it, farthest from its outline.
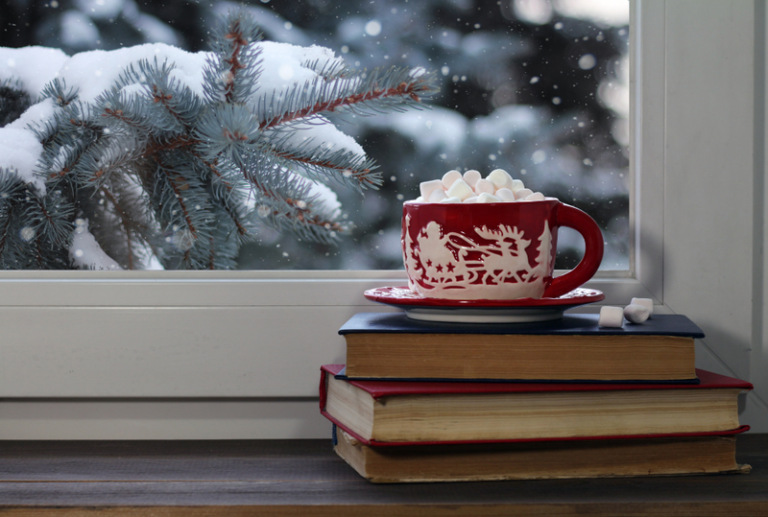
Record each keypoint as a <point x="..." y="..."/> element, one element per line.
<point x="425" y="401"/>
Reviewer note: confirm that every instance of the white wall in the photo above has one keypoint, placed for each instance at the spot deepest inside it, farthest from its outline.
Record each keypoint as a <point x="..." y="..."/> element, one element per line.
<point x="714" y="192"/>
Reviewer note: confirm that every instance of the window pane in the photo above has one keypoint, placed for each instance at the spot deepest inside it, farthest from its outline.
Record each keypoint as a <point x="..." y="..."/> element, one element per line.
<point x="538" y="88"/>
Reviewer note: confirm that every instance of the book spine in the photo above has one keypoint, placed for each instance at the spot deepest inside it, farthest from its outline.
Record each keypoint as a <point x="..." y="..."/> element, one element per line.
<point x="323" y="390"/>
<point x="338" y="424"/>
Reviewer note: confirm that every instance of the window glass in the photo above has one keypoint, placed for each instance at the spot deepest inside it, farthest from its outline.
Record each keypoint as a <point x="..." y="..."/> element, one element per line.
<point x="538" y="88"/>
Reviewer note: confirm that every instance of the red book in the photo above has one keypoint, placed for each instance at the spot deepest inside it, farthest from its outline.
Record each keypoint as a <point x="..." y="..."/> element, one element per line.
<point x="381" y="413"/>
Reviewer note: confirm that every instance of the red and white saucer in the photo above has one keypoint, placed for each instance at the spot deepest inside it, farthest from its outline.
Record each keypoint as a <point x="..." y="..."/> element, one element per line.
<point x="522" y="310"/>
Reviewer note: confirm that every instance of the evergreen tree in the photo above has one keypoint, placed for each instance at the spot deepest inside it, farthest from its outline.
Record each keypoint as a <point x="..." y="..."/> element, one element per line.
<point x="184" y="177"/>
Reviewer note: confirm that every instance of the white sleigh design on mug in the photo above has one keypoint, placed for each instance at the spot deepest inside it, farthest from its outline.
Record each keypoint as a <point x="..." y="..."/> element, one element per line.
<point x="496" y="264"/>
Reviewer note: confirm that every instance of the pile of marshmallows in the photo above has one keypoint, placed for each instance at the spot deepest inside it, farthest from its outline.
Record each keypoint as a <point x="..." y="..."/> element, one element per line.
<point x="638" y="310"/>
<point x="471" y="187"/>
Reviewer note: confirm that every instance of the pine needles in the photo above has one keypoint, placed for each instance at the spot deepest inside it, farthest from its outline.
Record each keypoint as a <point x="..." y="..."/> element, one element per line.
<point x="156" y="171"/>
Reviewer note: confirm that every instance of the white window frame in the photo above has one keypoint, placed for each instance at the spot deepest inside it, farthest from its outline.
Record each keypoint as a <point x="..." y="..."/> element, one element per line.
<point x="236" y="354"/>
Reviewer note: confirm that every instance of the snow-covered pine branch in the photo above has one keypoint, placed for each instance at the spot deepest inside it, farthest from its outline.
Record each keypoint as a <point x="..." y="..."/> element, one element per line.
<point x="152" y="155"/>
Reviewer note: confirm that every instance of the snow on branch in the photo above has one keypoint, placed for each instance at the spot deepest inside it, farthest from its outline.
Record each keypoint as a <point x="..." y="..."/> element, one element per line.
<point x="150" y="154"/>
<point x="86" y="253"/>
<point x="376" y="92"/>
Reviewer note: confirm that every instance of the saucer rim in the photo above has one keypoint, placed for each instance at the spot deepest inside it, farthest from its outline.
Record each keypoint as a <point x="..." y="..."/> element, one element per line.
<point x="568" y="299"/>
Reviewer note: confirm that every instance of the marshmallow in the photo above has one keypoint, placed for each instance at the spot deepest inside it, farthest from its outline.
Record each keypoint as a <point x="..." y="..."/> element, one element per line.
<point x="460" y="189"/>
<point x="645" y="302"/>
<point x="523" y="193"/>
<point x="472" y="177"/>
<point x="636" y="313"/>
<point x="449" y="177"/>
<point x="451" y="200"/>
<point x="427" y="187"/>
<point x="500" y="178"/>
<point x="470" y="187"/>
<point x="437" y="195"/>
<point x="484" y="186"/>
<point x="487" y="198"/>
<point x="611" y="317"/>
<point x="505" y="194"/>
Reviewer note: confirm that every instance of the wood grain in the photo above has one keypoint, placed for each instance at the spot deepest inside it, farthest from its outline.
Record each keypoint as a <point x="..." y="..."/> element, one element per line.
<point x="502" y="510"/>
<point x="304" y="477"/>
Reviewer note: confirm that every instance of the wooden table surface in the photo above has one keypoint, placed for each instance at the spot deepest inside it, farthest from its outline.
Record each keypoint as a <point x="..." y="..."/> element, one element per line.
<point x="305" y="477"/>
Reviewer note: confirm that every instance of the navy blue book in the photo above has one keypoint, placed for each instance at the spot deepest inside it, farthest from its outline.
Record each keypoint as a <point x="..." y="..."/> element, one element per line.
<point x="574" y="349"/>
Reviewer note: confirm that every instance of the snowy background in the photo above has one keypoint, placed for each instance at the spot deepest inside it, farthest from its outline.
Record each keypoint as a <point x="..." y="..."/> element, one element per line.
<point x="536" y="87"/>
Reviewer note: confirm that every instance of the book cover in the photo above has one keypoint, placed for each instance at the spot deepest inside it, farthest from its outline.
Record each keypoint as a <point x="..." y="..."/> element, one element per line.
<point x="389" y="390"/>
<point x="676" y="325"/>
<point x="379" y="388"/>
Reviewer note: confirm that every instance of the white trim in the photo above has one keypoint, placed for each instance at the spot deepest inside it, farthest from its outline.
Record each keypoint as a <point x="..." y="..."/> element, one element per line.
<point x="713" y="244"/>
<point x="319" y="289"/>
<point x="647" y="94"/>
<point x="162" y="419"/>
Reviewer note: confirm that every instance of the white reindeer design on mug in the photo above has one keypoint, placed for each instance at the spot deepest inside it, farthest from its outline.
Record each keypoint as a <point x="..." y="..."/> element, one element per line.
<point x="451" y="263"/>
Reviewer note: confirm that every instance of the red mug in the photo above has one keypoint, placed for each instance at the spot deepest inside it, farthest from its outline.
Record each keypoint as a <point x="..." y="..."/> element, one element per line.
<point x="494" y="251"/>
